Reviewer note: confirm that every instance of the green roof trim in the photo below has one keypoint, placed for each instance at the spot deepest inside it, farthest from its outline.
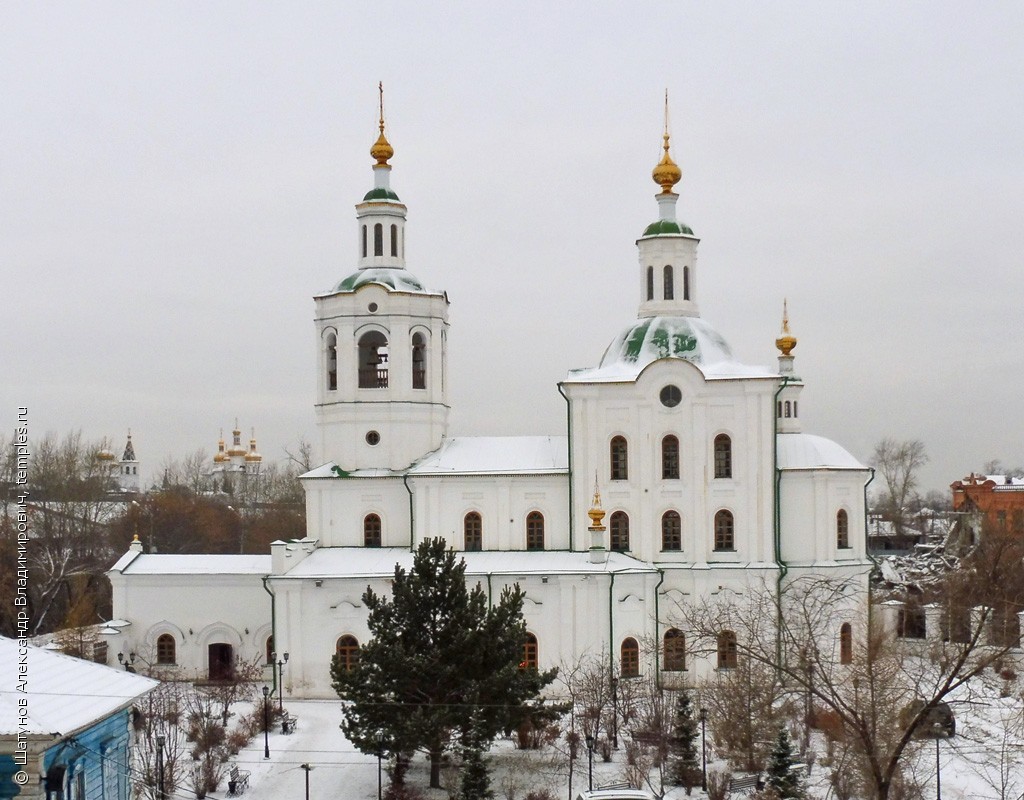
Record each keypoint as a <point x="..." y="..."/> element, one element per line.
<point x="380" y="193"/>
<point x="663" y="226"/>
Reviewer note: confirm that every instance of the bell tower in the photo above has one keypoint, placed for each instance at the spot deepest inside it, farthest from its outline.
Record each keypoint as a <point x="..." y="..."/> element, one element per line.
<point x="667" y="249"/>
<point x="382" y="389"/>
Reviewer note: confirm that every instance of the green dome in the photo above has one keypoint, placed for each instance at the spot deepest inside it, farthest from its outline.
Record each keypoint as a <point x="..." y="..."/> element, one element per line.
<point x="396" y="279"/>
<point x="667" y="226"/>
<point x="380" y="193"/>
<point x="652" y="338"/>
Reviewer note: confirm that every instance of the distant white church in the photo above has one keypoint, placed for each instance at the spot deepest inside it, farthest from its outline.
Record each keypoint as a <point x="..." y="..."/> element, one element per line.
<point x="706" y="483"/>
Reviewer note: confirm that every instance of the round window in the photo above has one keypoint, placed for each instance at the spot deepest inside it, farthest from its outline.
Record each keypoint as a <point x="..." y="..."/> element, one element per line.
<point x="373" y="438"/>
<point x="671" y="396"/>
<point x="372" y="307"/>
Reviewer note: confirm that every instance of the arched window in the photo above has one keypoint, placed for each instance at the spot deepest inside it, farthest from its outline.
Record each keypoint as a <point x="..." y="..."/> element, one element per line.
<point x="670" y="458"/>
<point x="629" y="658"/>
<point x="268" y="651"/>
<point x="373" y="360"/>
<point x="675" y="650"/>
<point x="727" y="656"/>
<point x="394" y="240"/>
<point x="534" y="531"/>
<point x="670" y="289"/>
<point x="650" y="283"/>
<point x="619" y="452"/>
<point x="789" y="409"/>
<point x="378" y="239"/>
<point x="529" y="652"/>
<point x="419" y="361"/>
<point x="371" y="531"/>
<point x="166" y="649"/>
<point x="332" y="362"/>
<point x="347" y="651"/>
<point x="686" y="283"/>
<point x="842" y="529"/>
<point x="671" y="531"/>
<point x="778" y="409"/>
<point x="618" y="525"/>
<point x="723" y="456"/>
<point x="364" y="241"/>
<point x="724" y="531"/>
<point x="472" y="527"/>
<point x="794" y="408"/>
<point x="845" y="644"/>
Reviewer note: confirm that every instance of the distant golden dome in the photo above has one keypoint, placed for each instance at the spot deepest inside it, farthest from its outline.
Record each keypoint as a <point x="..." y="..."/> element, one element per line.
<point x="105" y="455"/>
<point x="596" y="513"/>
<point x="220" y="458"/>
<point x="253" y="457"/>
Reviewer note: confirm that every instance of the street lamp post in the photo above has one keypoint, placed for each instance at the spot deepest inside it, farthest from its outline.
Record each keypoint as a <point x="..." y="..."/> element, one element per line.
<point x="380" y="763"/>
<point x="590" y="762"/>
<point x="703" y="749"/>
<point x="266" y="722"/>
<point x="938" y="772"/>
<point x="160" y="768"/>
<point x="615" y="712"/>
<point x="280" y="684"/>
<point x="306" y="768"/>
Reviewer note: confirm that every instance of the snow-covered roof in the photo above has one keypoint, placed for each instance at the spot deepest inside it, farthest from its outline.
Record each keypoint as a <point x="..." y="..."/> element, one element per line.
<point x="476" y="455"/>
<point x="805" y="451"/>
<point x="496" y="454"/>
<point x="64" y="694"/>
<point x="205" y="564"/>
<point x="379" y="562"/>
<point x="650" y="339"/>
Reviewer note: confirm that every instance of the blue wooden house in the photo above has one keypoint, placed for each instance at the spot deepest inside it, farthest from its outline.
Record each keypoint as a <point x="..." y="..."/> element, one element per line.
<point x="65" y="725"/>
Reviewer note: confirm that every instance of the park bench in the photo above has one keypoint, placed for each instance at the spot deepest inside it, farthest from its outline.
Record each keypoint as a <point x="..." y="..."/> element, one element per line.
<point x="745" y="784"/>
<point x="288" y="722"/>
<point x="238" y="780"/>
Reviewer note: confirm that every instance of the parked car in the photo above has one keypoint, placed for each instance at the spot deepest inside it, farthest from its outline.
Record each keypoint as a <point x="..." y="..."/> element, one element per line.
<point x="937" y="722"/>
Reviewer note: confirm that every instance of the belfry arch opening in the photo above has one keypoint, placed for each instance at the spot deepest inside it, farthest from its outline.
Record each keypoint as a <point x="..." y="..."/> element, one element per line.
<point x="331" y="356"/>
<point x="419" y="361"/>
<point x="373" y="360"/>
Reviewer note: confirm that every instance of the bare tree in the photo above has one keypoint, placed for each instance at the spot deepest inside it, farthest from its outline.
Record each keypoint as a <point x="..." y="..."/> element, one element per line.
<point x="898" y="464"/>
<point x="879" y="689"/>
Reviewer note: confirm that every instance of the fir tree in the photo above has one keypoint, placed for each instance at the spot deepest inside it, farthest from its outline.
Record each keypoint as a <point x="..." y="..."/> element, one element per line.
<point x="684" y="761"/>
<point x="440" y="662"/>
<point x="781" y="778"/>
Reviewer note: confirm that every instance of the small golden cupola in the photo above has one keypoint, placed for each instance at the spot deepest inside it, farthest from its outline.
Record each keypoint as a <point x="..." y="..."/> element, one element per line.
<point x="596" y="528"/>
<point x="786" y="342"/>
<point x="253" y="456"/>
<point x="667" y="173"/>
<point x="382" y="149"/>
<point x="220" y="456"/>
<point x="788" y="399"/>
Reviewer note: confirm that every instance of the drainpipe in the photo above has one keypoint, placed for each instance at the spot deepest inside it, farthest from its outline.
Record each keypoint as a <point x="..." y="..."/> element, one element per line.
<point x="777" y="525"/>
<point x="273" y="622"/>
<point x="412" y="515"/>
<point x="871" y="558"/>
<point x="568" y="415"/>
<point x="490" y="601"/>
<point x="657" y="640"/>
<point x="611" y="626"/>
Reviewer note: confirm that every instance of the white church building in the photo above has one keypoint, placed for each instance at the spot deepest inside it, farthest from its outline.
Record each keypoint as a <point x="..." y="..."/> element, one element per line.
<point x="706" y="484"/>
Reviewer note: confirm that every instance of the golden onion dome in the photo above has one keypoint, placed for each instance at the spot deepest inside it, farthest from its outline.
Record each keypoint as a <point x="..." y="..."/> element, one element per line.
<point x="786" y="342"/>
<point x="667" y="173"/>
<point x="596" y="513"/>
<point x="252" y="456"/>
<point x="105" y="455"/>
<point x="220" y="458"/>
<point x="382" y="149"/>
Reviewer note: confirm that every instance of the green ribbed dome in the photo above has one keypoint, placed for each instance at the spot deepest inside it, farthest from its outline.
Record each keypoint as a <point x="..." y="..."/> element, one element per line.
<point x="396" y="279"/>
<point x="380" y="193"/>
<point x="667" y="226"/>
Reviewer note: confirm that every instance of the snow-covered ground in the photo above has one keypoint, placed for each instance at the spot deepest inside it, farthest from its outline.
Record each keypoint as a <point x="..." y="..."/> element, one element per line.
<point x="982" y="744"/>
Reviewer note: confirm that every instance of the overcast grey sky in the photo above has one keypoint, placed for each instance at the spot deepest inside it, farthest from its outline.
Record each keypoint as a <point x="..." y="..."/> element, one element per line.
<point x="178" y="179"/>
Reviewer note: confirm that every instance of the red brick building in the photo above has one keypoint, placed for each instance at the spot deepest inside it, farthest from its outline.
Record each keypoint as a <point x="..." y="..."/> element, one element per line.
<point x="998" y="499"/>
